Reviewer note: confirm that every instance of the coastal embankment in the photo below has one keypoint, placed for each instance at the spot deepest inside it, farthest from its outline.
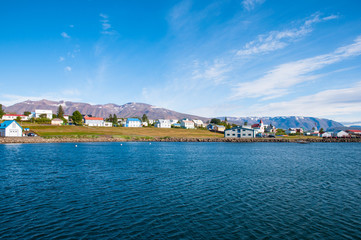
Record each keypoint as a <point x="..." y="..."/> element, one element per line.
<point x="6" y="140"/>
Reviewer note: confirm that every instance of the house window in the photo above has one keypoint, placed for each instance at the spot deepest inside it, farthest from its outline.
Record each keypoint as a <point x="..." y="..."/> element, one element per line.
<point x="243" y="134"/>
<point x="249" y="134"/>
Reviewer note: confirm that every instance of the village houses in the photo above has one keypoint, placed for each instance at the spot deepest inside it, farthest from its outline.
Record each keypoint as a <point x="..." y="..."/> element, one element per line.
<point x="162" y="123"/>
<point x="15" y="116"/>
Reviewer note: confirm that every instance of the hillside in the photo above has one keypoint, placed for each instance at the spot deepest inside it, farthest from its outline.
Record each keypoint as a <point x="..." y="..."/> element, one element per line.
<point x="289" y="122"/>
<point x="126" y="110"/>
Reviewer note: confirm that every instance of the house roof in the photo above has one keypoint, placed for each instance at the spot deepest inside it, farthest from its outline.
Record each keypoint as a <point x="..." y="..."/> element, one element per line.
<point x="186" y="121"/>
<point x="57" y="119"/>
<point x="93" y="118"/>
<point x="255" y="125"/>
<point x="7" y="123"/>
<point x="354" y="131"/>
<point x="133" y="119"/>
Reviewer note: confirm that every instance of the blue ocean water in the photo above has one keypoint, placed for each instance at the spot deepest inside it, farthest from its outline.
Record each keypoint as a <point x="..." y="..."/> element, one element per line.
<point x="180" y="191"/>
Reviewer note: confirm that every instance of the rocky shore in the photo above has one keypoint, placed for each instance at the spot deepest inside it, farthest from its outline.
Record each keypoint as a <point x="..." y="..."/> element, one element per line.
<point x="168" y="139"/>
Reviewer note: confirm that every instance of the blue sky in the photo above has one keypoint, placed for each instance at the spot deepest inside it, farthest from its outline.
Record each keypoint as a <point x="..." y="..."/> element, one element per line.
<point x="209" y="58"/>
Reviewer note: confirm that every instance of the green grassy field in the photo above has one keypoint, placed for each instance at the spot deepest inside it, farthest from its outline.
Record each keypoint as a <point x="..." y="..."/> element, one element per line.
<point x="120" y="132"/>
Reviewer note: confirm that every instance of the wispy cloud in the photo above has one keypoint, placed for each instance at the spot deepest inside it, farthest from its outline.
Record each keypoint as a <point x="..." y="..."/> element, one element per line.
<point x="214" y="73"/>
<point x="279" y="39"/>
<point x="67" y="69"/>
<point x="65" y="35"/>
<point x="106" y="26"/>
<point x="277" y="81"/>
<point x="251" y="4"/>
<point x="322" y="104"/>
<point x="61" y="59"/>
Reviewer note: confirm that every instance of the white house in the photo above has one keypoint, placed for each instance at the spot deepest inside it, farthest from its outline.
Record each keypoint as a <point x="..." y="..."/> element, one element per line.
<point x="259" y="127"/>
<point x="107" y="124"/>
<point x="66" y="117"/>
<point x="340" y="134"/>
<point x="326" y="135"/>
<point x="38" y="112"/>
<point x="145" y="124"/>
<point x="94" y="121"/>
<point x="162" y="123"/>
<point x="240" y="132"/>
<point x="198" y="123"/>
<point x="133" y="122"/>
<point x="15" y="116"/>
<point x="173" y="121"/>
<point x="187" y="124"/>
<point x="57" y="121"/>
<point x="10" y="129"/>
<point x="151" y="121"/>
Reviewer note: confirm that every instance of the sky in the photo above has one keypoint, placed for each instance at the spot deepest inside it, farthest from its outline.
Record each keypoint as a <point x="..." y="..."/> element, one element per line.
<point x="208" y="58"/>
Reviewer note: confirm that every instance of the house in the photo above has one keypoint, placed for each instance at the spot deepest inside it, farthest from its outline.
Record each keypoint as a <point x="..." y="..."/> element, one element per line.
<point x="326" y="135"/>
<point x="259" y="127"/>
<point x="133" y="122"/>
<point x="240" y="132"/>
<point x="94" y="121"/>
<point x="356" y="133"/>
<point x="107" y="124"/>
<point x="10" y="128"/>
<point x="270" y="129"/>
<point x="219" y="128"/>
<point x="211" y="127"/>
<point x="340" y="134"/>
<point x="145" y="124"/>
<point x="57" y="121"/>
<point x="39" y="112"/>
<point x="66" y="117"/>
<point x="294" y="131"/>
<point x="15" y="116"/>
<point x="173" y="121"/>
<point x="162" y="123"/>
<point x="187" y="124"/>
<point x="151" y="121"/>
<point x="198" y="123"/>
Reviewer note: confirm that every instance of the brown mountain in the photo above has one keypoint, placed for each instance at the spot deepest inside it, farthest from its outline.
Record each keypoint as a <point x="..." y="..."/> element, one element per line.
<point x="127" y="110"/>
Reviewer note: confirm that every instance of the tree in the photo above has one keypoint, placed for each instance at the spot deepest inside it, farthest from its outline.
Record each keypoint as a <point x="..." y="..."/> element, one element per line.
<point x="42" y="115"/>
<point x="145" y="118"/>
<point x="77" y="118"/>
<point x="18" y="119"/>
<point x="60" y="112"/>
<point x="225" y="119"/>
<point x="322" y="131"/>
<point x="26" y="113"/>
<point x="1" y="111"/>
<point x="245" y="123"/>
<point x="115" y="119"/>
<point x="280" y="131"/>
<point x="215" y="121"/>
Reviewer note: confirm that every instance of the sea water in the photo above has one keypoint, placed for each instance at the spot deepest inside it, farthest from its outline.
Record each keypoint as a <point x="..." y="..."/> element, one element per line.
<point x="137" y="190"/>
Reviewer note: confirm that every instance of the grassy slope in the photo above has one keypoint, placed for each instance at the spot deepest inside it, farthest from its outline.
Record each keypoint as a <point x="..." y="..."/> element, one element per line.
<point x="52" y="131"/>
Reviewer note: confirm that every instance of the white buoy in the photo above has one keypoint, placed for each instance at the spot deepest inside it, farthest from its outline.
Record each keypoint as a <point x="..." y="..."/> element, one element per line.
<point x="121" y="144"/>
<point x="76" y="145"/>
<point x="150" y="143"/>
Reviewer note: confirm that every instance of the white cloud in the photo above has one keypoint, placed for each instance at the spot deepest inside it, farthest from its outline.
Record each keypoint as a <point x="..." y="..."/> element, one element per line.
<point x="71" y="26"/>
<point x="65" y="35"/>
<point x="61" y="59"/>
<point x="279" y="39"/>
<point x="67" y="69"/>
<point x="215" y="72"/>
<point x="335" y="102"/>
<point x="250" y="4"/>
<point x="277" y="81"/>
<point x="106" y="26"/>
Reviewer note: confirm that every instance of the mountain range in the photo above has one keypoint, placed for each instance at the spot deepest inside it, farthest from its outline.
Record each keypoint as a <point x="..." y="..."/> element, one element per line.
<point x="132" y="109"/>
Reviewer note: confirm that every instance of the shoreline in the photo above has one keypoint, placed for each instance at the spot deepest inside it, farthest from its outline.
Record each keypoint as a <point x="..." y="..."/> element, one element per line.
<point x="21" y="140"/>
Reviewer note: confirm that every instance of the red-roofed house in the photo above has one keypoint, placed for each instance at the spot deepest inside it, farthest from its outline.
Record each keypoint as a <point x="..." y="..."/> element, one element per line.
<point x="354" y="132"/>
<point x="94" y="121"/>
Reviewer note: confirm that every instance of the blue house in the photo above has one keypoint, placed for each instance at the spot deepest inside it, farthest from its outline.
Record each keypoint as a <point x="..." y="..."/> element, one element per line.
<point x="133" y="122"/>
<point x="11" y="129"/>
